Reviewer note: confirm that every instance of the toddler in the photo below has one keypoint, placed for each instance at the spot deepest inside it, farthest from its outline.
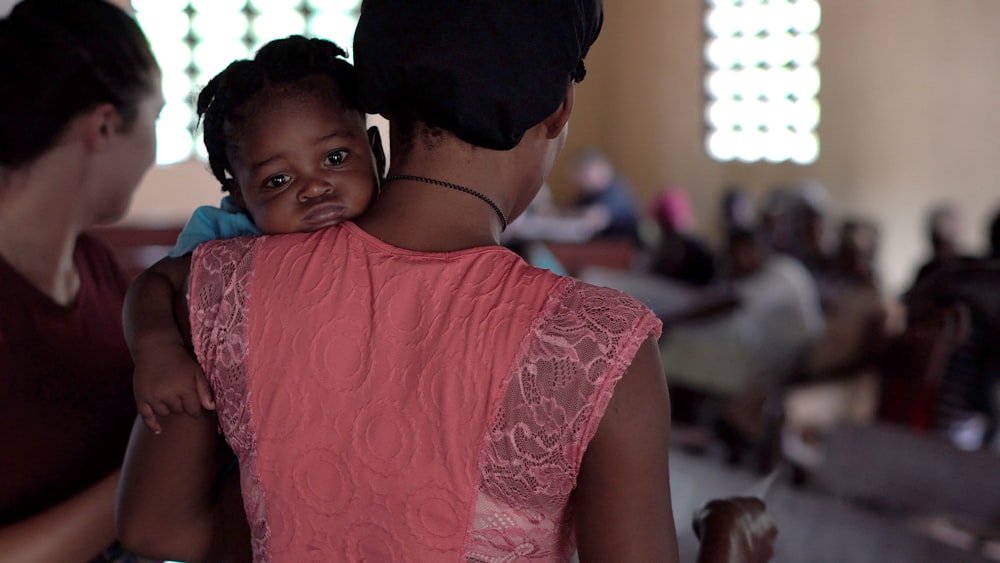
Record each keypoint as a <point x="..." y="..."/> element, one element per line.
<point x="286" y="138"/>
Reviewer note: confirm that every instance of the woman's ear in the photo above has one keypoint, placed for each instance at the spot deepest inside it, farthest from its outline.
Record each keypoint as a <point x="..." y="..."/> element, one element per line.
<point x="555" y="122"/>
<point x="99" y="126"/>
<point x="375" y="140"/>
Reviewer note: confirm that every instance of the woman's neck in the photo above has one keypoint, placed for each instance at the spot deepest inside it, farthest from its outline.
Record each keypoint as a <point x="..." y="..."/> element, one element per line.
<point x="431" y="218"/>
<point x="39" y="225"/>
<point x="425" y="216"/>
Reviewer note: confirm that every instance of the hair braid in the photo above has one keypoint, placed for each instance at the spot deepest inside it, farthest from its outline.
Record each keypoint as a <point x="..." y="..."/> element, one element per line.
<point x="217" y="104"/>
<point x="227" y="101"/>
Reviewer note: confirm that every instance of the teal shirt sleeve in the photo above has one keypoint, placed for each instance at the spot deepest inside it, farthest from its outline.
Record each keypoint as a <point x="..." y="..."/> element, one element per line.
<point x="213" y="223"/>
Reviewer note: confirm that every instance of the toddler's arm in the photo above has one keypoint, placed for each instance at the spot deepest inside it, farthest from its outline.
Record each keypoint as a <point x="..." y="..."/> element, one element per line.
<point x="168" y="379"/>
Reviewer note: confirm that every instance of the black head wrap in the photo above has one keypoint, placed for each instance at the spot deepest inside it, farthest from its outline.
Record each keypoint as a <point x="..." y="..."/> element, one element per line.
<point x="484" y="70"/>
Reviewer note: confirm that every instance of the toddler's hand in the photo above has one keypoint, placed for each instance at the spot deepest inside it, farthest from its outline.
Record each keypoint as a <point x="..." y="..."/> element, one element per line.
<point x="170" y="381"/>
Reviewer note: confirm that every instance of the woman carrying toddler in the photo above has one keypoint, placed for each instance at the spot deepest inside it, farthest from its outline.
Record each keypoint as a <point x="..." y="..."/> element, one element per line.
<point x="403" y="388"/>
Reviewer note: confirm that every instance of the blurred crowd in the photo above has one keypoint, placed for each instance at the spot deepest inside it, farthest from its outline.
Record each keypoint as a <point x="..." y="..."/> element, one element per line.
<point x="778" y="327"/>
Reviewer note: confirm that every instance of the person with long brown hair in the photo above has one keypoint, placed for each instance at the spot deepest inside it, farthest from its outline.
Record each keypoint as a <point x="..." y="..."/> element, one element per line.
<point x="79" y="96"/>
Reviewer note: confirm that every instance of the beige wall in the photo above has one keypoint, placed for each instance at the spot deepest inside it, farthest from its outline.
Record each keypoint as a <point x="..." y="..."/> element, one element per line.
<point x="910" y="112"/>
<point x="909" y="116"/>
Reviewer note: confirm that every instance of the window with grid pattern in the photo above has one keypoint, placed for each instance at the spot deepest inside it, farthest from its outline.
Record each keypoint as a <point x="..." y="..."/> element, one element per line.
<point x="762" y="80"/>
<point x="195" y="39"/>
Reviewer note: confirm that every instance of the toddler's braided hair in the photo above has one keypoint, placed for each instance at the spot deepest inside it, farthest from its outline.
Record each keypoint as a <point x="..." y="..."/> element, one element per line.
<point x="234" y="95"/>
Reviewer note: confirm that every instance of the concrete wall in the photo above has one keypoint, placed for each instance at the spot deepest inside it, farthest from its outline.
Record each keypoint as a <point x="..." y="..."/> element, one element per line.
<point x="909" y="117"/>
<point x="910" y="112"/>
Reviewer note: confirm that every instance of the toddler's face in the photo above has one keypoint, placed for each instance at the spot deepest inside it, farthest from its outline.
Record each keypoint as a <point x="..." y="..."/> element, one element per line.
<point x="304" y="163"/>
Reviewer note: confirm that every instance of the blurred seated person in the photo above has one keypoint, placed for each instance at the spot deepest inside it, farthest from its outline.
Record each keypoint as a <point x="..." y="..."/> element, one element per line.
<point x="855" y="311"/>
<point x="749" y="342"/>
<point x="602" y="192"/>
<point x="994" y="235"/>
<point x="814" y="248"/>
<point x="543" y="221"/>
<point x="736" y="211"/>
<point x="839" y="375"/>
<point x="679" y="254"/>
<point x="546" y="221"/>
<point x="967" y="391"/>
<point x="811" y="242"/>
<point x="776" y="223"/>
<point x="943" y="226"/>
<point x="958" y="305"/>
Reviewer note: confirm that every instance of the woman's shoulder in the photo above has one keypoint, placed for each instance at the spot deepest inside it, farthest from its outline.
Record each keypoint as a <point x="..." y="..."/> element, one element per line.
<point x="598" y="301"/>
<point x="577" y="311"/>
<point x="572" y="359"/>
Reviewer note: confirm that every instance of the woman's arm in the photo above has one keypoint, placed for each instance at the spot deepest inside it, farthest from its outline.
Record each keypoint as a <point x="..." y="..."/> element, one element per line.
<point x="171" y="501"/>
<point x="78" y="529"/>
<point x="623" y="507"/>
<point x="622" y="499"/>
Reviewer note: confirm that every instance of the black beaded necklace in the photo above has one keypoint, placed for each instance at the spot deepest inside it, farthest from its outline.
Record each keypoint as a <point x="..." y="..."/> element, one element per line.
<point x="490" y="202"/>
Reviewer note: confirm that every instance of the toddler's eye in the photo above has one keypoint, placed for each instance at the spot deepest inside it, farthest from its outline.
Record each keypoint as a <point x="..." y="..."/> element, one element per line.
<point x="336" y="157"/>
<point x="278" y="181"/>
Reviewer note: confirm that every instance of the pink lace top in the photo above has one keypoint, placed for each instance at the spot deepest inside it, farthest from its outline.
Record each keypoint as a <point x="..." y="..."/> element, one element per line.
<point x="391" y="405"/>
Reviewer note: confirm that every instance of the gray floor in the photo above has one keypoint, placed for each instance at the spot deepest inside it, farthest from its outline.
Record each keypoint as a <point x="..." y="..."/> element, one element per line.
<point x="813" y="527"/>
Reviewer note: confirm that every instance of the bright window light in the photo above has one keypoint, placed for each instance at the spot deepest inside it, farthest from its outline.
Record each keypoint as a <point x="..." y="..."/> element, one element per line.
<point x="762" y="80"/>
<point x="193" y="40"/>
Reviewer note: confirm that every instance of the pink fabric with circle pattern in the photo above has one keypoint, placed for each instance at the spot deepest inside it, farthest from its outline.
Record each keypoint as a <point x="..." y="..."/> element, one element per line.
<point x="391" y="405"/>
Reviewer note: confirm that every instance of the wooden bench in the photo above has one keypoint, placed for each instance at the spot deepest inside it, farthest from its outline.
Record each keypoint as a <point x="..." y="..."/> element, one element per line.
<point x="574" y="256"/>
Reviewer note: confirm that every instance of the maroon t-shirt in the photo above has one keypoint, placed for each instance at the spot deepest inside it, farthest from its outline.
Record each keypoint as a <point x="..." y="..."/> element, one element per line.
<point x="66" y="406"/>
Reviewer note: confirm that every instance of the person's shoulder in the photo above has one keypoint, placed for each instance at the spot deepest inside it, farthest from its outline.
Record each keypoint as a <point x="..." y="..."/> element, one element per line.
<point x="589" y="290"/>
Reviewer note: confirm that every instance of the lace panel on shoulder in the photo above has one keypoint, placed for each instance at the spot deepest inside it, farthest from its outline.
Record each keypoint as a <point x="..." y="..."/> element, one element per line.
<point x="564" y="376"/>
<point x="217" y="299"/>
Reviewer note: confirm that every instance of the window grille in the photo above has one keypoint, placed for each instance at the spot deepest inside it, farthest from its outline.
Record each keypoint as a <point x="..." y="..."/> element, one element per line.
<point x="762" y="80"/>
<point x="195" y="39"/>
